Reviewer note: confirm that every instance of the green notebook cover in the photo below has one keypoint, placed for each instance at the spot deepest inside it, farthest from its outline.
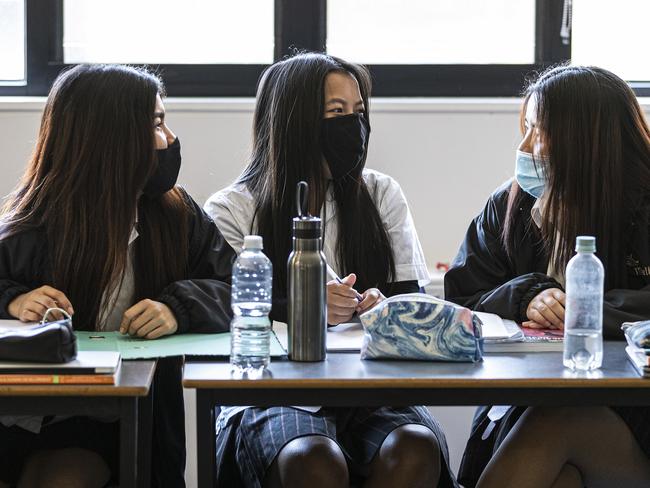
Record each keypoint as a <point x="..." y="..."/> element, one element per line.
<point x="172" y="345"/>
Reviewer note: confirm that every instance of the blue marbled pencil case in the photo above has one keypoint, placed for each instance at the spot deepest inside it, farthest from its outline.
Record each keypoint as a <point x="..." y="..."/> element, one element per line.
<point x="421" y="327"/>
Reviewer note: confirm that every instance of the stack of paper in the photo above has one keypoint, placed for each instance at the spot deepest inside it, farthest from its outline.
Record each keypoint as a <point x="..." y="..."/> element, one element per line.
<point x="639" y="359"/>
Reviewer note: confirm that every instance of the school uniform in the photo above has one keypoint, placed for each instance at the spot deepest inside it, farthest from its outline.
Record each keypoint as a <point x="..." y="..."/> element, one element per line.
<point x="249" y="439"/>
<point x="484" y="278"/>
<point x="200" y="303"/>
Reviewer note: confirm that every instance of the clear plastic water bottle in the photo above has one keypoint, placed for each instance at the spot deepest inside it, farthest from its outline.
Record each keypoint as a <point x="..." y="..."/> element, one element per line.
<point x="252" y="277"/>
<point x="583" y="321"/>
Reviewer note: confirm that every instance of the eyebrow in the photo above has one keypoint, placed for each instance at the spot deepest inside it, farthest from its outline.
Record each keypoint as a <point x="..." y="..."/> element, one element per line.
<point x="342" y="101"/>
<point x="159" y="115"/>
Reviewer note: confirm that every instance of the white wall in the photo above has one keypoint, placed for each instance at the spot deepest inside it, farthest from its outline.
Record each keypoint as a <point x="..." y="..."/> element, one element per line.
<point x="448" y="155"/>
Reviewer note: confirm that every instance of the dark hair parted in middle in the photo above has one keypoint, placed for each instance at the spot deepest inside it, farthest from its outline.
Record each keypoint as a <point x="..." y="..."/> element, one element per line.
<point x="94" y="153"/>
<point x="287" y="148"/>
<point x="598" y="146"/>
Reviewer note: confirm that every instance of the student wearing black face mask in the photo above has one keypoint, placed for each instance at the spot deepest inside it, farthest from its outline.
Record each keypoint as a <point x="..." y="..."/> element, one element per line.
<point x="98" y="227"/>
<point x="311" y="123"/>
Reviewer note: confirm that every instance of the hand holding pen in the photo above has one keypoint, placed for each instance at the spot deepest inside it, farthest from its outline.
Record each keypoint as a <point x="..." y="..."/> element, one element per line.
<point x="333" y="276"/>
<point x="343" y="301"/>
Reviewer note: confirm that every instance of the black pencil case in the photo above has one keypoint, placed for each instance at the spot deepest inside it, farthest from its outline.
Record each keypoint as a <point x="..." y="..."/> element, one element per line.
<point x="48" y="342"/>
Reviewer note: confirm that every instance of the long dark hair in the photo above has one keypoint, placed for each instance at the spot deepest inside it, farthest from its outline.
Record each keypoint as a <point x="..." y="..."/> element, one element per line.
<point x="598" y="146"/>
<point x="287" y="149"/>
<point x="95" y="151"/>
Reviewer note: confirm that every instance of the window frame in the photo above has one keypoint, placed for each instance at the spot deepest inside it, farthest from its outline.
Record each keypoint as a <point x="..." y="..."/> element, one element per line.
<point x="44" y="52"/>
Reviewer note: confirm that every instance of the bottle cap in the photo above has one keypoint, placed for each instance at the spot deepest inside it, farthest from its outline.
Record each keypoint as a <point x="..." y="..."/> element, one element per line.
<point x="307" y="228"/>
<point x="585" y="244"/>
<point x="253" y="242"/>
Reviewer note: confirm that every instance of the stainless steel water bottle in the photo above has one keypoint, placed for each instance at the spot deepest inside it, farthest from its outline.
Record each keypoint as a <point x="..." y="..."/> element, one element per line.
<point x="307" y="293"/>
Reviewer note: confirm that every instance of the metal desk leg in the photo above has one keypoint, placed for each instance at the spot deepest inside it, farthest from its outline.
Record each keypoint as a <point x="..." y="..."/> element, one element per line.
<point x="205" y="439"/>
<point x="128" y="442"/>
<point x="145" y="422"/>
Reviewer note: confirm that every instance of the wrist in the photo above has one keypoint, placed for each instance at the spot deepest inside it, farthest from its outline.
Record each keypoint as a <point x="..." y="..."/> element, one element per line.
<point x="14" y="306"/>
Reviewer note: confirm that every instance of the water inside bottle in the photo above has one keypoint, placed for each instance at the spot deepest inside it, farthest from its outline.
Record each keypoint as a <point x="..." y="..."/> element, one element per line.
<point x="583" y="349"/>
<point x="250" y="343"/>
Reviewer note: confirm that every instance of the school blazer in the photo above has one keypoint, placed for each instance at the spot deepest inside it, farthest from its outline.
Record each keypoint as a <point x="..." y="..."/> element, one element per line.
<point x="484" y="278"/>
<point x="201" y="302"/>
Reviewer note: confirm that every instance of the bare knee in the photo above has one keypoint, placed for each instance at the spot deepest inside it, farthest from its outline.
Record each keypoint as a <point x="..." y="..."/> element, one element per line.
<point x="569" y="477"/>
<point x="547" y="416"/>
<point x="412" y="449"/>
<point x="312" y="461"/>
<point x="562" y="422"/>
<point x="69" y="468"/>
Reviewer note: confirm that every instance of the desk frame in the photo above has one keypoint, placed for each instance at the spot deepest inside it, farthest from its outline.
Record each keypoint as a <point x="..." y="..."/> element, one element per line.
<point x="133" y="406"/>
<point x="448" y="384"/>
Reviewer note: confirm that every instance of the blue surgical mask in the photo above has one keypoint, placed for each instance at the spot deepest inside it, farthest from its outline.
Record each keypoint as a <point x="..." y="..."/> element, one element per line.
<point x="530" y="177"/>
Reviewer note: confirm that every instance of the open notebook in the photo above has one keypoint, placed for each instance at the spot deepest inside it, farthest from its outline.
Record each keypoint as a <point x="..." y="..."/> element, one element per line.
<point x="346" y="337"/>
<point x="500" y="336"/>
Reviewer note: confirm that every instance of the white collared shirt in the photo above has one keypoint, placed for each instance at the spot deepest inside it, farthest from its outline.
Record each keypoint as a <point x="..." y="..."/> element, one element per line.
<point x="536" y="215"/>
<point x="233" y="209"/>
<point x="121" y="298"/>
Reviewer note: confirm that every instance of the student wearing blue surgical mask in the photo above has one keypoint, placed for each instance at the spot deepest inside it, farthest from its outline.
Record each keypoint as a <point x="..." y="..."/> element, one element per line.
<point x="583" y="167"/>
<point x="312" y="123"/>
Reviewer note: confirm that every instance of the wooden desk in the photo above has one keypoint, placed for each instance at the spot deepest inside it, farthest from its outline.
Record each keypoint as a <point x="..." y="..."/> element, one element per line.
<point x="129" y="399"/>
<point x="344" y="380"/>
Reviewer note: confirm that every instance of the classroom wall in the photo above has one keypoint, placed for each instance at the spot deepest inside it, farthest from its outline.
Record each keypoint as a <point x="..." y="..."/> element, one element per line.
<point x="448" y="155"/>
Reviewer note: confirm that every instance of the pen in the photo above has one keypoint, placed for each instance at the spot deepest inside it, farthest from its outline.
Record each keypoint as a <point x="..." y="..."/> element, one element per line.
<point x="334" y="276"/>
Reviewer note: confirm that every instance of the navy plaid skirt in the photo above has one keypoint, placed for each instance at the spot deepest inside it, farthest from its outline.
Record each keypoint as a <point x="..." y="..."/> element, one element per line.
<point x="253" y="438"/>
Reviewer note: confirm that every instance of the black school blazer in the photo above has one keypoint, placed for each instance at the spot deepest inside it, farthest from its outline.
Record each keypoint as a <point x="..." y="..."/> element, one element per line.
<point x="201" y="302"/>
<point x="483" y="278"/>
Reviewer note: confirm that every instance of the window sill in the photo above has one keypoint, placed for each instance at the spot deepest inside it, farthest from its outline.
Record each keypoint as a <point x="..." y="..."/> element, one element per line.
<point x="379" y="105"/>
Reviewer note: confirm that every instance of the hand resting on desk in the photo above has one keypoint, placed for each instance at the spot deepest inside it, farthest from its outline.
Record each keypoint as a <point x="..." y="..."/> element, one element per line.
<point x="546" y="310"/>
<point x="149" y="319"/>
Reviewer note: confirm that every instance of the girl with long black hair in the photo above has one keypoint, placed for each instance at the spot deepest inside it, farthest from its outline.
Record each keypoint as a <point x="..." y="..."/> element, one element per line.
<point x="582" y="168"/>
<point x="97" y="227"/>
<point x="311" y="123"/>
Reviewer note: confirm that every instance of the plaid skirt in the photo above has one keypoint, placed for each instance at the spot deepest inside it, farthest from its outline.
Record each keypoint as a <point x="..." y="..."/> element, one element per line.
<point x="252" y="439"/>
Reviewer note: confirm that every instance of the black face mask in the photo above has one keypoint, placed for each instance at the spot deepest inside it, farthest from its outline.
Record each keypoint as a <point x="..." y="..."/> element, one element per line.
<point x="344" y="140"/>
<point x="164" y="177"/>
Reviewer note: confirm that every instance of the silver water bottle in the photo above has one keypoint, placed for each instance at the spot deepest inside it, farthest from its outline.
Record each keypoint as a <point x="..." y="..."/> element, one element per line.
<point x="307" y="294"/>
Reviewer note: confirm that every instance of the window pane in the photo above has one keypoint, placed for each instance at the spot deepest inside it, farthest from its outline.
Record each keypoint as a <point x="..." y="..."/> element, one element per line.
<point x="12" y="40"/>
<point x="613" y="35"/>
<point x="432" y="31"/>
<point x="168" y="31"/>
